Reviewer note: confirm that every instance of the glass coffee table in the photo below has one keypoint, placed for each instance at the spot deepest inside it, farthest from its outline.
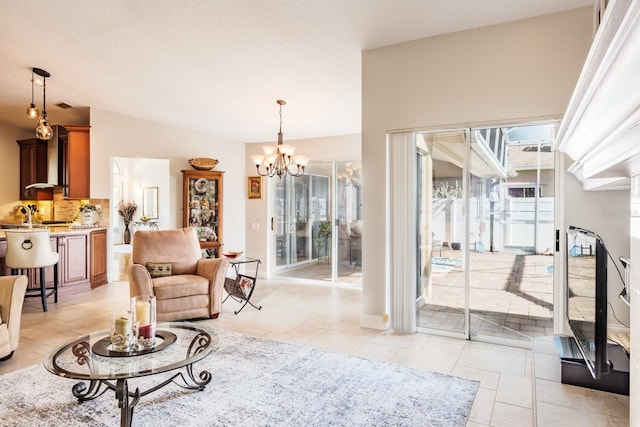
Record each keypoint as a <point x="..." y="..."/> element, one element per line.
<point x="88" y="358"/>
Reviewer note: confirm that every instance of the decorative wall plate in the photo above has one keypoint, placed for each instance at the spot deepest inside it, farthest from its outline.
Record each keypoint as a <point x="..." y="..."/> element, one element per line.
<point x="201" y="185"/>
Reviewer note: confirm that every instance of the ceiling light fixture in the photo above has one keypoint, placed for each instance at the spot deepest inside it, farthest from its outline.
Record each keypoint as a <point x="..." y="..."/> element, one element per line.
<point x="279" y="160"/>
<point x="32" y="111"/>
<point x="43" y="130"/>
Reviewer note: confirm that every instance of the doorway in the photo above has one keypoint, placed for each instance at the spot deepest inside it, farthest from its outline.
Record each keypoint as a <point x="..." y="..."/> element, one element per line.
<point x="131" y="179"/>
<point x="485" y="227"/>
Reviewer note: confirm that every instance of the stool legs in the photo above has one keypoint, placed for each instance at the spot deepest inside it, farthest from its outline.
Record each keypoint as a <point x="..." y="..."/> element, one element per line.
<point x="43" y="288"/>
<point x="55" y="283"/>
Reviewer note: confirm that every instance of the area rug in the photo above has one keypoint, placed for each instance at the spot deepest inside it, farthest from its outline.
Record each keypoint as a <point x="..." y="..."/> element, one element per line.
<point x="256" y="382"/>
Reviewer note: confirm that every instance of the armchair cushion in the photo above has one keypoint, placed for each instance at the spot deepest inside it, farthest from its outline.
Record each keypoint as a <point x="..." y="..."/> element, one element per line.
<point x="180" y="286"/>
<point x="12" y="290"/>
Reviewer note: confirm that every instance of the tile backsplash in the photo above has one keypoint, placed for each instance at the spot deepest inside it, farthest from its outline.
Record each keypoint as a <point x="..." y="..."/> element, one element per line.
<point x="60" y="209"/>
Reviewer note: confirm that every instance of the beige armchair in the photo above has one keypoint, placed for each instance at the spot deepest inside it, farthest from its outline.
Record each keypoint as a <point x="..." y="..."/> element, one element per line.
<point x="12" y="289"/>
<point x="187" y="286"/>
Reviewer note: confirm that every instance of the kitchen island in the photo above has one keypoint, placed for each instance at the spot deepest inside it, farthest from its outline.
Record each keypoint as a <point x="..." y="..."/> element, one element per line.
<point x="83" y="258"/>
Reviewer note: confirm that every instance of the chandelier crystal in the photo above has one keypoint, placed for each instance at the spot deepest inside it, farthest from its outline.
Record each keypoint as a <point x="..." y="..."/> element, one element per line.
<point x="279" y="160"/>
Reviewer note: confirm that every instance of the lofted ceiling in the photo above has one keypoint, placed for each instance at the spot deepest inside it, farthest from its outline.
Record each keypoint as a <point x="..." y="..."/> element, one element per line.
<point x="218" y="66"/>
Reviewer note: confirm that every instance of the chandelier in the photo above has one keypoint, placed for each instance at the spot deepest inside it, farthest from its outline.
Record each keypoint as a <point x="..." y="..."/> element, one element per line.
<point x="351" y="175"/>
<point x="279" y="159"/>
<point x="43" y="130"/>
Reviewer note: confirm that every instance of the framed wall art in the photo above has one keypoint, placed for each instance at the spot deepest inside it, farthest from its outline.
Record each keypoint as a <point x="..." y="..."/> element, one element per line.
<point x="255" y="187"/>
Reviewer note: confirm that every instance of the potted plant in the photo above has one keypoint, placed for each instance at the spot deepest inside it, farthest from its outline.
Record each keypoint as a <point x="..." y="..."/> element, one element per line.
<point x="126" y="211"/>
<point x="324" y="232"/>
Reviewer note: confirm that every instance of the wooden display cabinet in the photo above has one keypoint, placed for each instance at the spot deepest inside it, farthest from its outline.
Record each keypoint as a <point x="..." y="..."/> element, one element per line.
<point x="202" y="208"/>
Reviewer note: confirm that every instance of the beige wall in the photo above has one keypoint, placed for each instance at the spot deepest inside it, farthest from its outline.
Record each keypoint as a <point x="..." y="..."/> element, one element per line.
<point x="116" y="135"/>
<point x="519" y="70"/>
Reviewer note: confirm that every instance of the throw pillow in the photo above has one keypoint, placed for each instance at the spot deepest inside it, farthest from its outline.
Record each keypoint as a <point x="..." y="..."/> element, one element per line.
<point x="157" y="269"/>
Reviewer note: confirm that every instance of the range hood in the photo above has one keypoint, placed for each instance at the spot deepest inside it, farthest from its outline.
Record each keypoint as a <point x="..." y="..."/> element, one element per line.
<point x="55" y="164"/>
<point x="55" y="157"/>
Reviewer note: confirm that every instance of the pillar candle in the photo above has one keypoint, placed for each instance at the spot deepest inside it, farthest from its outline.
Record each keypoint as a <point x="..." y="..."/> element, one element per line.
<point x="146" y="331"/>
<point x="143" y="313"/>
<point x="123" y="326"/>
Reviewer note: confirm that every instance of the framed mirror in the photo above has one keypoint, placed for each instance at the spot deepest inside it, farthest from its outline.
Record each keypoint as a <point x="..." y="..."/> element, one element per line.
<point x="150" y="202"/>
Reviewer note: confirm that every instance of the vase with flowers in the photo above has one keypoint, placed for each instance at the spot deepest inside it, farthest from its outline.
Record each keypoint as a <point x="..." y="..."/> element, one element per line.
<point x="126" y="211"/>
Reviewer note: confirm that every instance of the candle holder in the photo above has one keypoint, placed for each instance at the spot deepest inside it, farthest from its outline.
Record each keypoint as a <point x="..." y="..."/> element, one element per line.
<point x="121" y="333"/>
<point x="143" y="310"/>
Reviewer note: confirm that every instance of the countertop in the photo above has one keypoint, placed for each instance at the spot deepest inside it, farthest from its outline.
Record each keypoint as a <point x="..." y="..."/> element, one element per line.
<point x="59" y="230"/>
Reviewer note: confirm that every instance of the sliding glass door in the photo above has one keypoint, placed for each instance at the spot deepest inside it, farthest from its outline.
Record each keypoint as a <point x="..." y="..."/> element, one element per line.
<point x="292" y="220"/>
<point x="485" y="221"/>
<point x="441" y="291"/>
<point x="318" y="223"/>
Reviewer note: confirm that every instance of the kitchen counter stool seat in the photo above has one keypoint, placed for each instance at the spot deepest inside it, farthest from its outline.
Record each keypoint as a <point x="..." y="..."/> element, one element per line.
<point x="31" y="249"/>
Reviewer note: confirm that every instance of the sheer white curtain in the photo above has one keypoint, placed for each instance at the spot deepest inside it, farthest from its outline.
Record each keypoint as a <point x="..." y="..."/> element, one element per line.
<point x="402" y="230"/>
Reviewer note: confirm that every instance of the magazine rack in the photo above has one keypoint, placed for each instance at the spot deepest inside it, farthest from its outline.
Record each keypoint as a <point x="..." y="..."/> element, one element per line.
<point x="240" y="288"/>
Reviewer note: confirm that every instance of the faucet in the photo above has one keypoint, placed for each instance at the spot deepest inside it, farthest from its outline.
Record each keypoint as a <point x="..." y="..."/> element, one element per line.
<point x="25" y="210"/>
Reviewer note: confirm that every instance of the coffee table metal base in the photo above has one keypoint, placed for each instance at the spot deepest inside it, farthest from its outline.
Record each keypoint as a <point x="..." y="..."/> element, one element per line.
<point x="127" y="400"/>
<point x="75" y="359"/>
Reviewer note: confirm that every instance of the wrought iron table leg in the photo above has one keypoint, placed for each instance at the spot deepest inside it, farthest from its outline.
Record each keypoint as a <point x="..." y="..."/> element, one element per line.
<point x="126" y="406"/>
<point x="128" y="400"/>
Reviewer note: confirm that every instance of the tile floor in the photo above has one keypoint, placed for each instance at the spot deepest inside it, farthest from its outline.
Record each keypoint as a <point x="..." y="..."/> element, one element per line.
<point x="507" y="289"/>
<point x="518" y="387"/>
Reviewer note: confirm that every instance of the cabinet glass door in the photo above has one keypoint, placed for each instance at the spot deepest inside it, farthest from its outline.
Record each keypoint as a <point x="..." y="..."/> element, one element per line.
<point x="203" y="210"/>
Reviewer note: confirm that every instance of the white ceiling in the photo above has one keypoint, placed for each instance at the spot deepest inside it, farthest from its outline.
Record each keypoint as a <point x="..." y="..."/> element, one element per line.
<point x="218" y="66"/>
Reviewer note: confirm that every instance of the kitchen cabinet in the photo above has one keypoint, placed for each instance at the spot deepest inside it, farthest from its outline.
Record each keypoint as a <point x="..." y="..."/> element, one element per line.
<point x="76" y="258"/>
<point x="202" y="208"/>
<point x="98" y="258"/>
<point x="33" y="168"/>
<point x="70" y="163"/>
<point x="74" y="171"/>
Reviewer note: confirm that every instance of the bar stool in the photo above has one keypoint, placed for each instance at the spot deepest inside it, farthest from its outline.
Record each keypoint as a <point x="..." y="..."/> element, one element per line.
<point x="31" y="249"/>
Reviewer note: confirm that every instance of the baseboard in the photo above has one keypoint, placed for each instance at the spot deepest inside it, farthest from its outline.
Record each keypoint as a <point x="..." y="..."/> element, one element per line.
<point x="373" y="321"/>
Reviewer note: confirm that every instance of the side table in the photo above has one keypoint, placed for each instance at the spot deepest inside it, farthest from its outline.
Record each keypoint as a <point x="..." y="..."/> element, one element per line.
<point x="240" y="288"/>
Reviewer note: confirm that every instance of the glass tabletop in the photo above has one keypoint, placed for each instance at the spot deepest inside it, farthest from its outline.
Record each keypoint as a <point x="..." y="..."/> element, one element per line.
<point x="76" y="358"/>
<point x="243" y="260"/>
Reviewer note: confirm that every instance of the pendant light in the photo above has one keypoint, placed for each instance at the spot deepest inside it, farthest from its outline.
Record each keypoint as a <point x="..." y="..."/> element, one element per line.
<point x="32" y="111"/>
<point x="43" y="130"/>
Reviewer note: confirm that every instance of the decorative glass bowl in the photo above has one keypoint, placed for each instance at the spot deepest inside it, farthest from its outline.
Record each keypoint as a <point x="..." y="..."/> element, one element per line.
<point x="232" y="254"/>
